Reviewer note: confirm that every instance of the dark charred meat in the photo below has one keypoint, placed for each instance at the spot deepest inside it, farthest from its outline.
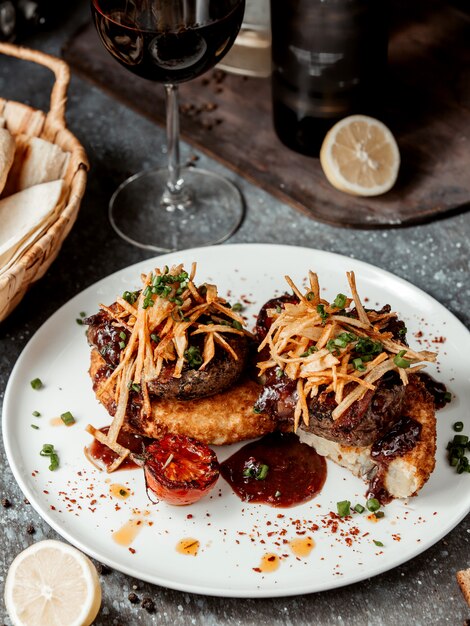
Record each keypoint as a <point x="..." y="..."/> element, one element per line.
<point x="220" y="373"/>
<point x="360" y="425"/>
<point x="363" y="422"/>
<point x="263" y="321"/>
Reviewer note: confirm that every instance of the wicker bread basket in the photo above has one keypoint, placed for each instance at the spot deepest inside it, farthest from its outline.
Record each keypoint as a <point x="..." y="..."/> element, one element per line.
<point x="22" y="119"/>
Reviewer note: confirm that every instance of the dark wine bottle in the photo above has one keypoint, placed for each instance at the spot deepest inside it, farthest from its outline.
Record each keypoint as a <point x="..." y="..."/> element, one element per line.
<point x="329" y="60"/>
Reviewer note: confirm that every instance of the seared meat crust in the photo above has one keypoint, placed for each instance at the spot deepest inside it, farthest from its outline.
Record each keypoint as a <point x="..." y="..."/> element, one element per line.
<point x="220" y="373"/>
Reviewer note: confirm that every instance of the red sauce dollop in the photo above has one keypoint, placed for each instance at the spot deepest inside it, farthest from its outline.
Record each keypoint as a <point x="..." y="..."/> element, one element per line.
<point x="295" y="474"/>
<point x="104" y="456"/>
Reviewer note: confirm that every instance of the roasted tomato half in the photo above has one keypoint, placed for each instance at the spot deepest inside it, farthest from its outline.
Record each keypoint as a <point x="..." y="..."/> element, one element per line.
<point x="179" y="469"/>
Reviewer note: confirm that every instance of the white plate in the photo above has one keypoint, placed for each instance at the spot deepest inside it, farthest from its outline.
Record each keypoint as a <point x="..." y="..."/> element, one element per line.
<point x="233" y="535"/>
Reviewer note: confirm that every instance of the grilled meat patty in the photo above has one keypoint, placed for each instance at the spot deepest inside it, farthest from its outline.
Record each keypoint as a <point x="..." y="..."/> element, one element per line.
<point x="220" y="373"/>
<point x="362" y="423"/>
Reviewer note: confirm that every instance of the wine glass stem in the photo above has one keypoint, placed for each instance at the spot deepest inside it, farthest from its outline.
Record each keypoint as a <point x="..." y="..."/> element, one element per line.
<point x="175" y="183"/>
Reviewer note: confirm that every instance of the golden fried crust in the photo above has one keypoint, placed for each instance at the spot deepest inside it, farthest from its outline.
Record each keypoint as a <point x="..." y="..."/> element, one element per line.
<point x="224" y="418"/>
<point x="406" y="474"/>
<point x="419" y="405"/>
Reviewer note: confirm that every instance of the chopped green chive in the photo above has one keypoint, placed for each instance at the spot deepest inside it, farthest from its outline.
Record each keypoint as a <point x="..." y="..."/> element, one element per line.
<point x="277" y="494"/>
<point x="378" y="543"/>
<point x="310" y="351"/>
<point x="36" y="383"/>
<point x="400" y="361"/>
<point x="155" y="338"/>
<point x="34" y="426"/>
<point x="458" y="426"/>
<point x="237" y="307"/>
<point x="122" y="345"/>
<point x="36" y="414"/>
<point x="82" y="314"/>
<point x="448" y="396"/>
<point x="79" y="321"/>
<point x="358" y="364"/>
<point x="256" y="410"/>
<point x="460" y="440"/>
<point x="236" y="324"/>
<point x="402" y="332"/>
<point x="54" y="462"/>
<point x="373" y="505"/>
<point x="344" y="508"/>
<point x="359" y="508"/>
<point x="67" y="418"/>
<point x="48" y="450"/>
<point x="279" y="373"/>
<point x="123" y="335"/>
<point x="135" y="387"/>
<point x="379" y="514"/>
<point x="340" y="301"/>
<point x="193" y="357"/>
<point x="122" y="492"/>
<point x="257" y="471"/>
<point x="322" y="313"/>
<point x="130" y="296"/>
<point x="310" y="296"/>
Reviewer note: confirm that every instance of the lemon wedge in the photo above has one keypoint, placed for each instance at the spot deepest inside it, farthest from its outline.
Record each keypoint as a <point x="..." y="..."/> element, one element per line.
<point x="360" y="156"/>
<point x="52" y="583"/>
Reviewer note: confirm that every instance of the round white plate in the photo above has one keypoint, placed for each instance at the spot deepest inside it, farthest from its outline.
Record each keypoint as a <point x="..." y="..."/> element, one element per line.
<point x="75" y="500"/>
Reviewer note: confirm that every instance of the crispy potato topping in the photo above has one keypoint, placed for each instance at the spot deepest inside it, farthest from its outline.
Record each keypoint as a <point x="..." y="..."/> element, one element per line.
<point x="324" y="348"/>
<point x="161" y="318"/>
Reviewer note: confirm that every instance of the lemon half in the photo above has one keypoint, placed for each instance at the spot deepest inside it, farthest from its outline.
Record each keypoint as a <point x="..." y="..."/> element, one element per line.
<point x="360" y="156"/>
<point x="52" y="583"/>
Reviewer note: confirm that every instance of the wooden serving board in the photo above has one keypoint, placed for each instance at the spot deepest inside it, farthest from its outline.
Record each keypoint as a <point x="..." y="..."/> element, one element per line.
<point x="428" y="110"/>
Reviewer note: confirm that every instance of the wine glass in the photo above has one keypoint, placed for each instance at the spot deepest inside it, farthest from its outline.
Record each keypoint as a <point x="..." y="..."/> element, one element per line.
<point x="171" y="41"/>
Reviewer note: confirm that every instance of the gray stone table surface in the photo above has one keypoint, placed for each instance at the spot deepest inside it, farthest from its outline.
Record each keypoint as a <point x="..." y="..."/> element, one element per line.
<point x="435" y="257"/>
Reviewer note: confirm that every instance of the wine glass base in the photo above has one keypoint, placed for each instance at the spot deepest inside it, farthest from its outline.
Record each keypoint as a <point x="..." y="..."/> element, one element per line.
<point x="209" y="210"/>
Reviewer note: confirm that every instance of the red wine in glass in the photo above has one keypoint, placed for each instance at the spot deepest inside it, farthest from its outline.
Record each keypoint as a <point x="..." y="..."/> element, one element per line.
<point x="170" y="42"/>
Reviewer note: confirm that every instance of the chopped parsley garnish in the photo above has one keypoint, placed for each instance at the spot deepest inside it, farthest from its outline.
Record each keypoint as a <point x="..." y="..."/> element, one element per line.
<point x="193" y="357"/>
<point x="36" y="384"/>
